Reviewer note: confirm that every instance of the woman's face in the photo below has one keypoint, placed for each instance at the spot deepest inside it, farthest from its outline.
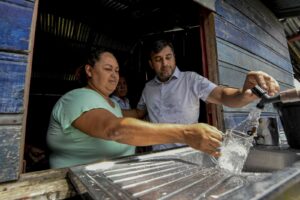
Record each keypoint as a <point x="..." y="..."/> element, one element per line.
<point x="105" y="74"/>
<point x="121" y="90"/>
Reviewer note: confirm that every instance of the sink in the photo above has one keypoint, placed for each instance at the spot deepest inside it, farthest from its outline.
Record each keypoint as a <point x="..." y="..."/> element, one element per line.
<point x="185" y="173"/>
<point x="269" y="159"/>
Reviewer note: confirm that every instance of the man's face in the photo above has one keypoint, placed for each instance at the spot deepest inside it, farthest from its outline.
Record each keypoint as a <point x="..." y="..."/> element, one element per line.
<point x="163" y="63"/>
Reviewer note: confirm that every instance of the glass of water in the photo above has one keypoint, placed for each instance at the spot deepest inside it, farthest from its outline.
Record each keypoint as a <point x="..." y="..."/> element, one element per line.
<point x="234" y="151"/>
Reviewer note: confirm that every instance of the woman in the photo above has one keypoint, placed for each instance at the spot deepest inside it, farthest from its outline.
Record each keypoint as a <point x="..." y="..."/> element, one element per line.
<point x="120" y="94"/>
<point x="87" y="126"/>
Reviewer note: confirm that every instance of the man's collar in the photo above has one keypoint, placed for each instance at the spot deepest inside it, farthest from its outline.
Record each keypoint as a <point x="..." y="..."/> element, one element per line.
<point x="175" y="75"/>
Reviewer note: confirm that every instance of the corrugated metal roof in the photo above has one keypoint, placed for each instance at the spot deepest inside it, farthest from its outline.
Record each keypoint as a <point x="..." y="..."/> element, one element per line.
<point x="292" y="31"/>
<point x="144" y="14"/>
<point x="288" y="12"/>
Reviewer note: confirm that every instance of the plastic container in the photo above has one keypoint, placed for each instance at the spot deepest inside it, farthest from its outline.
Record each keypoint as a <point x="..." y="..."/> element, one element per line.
<point x="290" y="118"/>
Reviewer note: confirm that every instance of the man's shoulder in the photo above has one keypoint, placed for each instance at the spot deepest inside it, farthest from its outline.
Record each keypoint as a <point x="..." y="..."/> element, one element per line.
<point x="190" y="75"/>
<point x="151" y="83"/>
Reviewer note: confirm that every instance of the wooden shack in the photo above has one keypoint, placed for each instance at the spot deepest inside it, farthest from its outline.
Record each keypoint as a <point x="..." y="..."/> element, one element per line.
<point x="42" y="42"/>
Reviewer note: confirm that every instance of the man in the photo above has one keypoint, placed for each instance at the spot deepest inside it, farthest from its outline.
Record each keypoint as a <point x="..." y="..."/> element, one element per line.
<point x="173" y="96"/>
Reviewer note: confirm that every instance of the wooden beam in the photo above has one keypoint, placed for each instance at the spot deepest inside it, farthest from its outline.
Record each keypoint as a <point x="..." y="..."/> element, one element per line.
<point x="294" y="51"/>
<point x="48" y="184"/>
<point x="215" y="115"/>
<point x="294" y="38"/>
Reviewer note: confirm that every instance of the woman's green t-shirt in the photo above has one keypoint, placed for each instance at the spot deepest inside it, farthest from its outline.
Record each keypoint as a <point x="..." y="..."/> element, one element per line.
<point x="69" y="146"/>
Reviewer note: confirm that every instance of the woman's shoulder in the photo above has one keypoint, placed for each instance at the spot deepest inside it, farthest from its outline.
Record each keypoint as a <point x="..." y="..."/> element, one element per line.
<point x="79" y="96"/>
<point x="82" y="93"/>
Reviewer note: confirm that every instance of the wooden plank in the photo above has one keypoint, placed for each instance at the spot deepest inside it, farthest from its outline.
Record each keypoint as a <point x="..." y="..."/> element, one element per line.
<point x="262" y="16"/>
<point x="15" y="22"/>
<point x="232" y="34"/>
<point x="47" y="184"/>
<point x="27" y="4"/>
<point x="12" y="80"/>
<point x="234" y="77"/>
<point x="10" y="137"/>
<point x="11" y="119"/>
<point x="27" y="81"/>
<point x="246" y="24"/>
<point x="233" y="55"/>
<point x="210" y="49"/>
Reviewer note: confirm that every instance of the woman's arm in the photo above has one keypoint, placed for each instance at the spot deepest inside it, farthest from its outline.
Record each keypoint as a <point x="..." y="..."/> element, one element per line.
<point x="135" y="113"/>
<point x="102" y="124"/>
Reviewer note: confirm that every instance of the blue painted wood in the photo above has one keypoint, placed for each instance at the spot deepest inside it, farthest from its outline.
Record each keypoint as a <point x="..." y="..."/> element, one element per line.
<point x="231" y="33"/>
<point x="262" y="16"/>
<point x="15" y="23"/>
<point x="10" y="137"/>
<point x="12" y="80"/>
<point x="238" y="57"/>
<point x="247" y="25"/>
<point x="23" y="3"/>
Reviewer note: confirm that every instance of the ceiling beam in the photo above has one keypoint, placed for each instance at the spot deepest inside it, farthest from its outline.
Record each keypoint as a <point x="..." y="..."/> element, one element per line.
<point x="294" y="38"/>
<point x="295" y="52"/>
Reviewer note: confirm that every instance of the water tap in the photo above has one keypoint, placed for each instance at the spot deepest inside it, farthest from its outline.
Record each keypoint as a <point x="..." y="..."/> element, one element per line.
<point x="287" y="96"/>
<point x="264" y="135"/>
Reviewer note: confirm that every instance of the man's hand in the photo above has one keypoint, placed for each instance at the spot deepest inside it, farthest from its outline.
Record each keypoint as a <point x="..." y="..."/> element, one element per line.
<point x="265" y="81"/>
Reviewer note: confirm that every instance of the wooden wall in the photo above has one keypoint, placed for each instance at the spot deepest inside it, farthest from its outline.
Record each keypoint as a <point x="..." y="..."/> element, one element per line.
<point x="15" y="26"/>
<point x="249" y="37"/>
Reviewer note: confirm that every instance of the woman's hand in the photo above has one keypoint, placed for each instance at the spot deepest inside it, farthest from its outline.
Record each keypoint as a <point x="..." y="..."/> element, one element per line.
<point x="204" y="137"/>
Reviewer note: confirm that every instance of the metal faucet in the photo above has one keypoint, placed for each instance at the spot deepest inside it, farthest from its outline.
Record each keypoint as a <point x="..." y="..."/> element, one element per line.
<point x="287" y="96"/>
<point x="265" y="135"/>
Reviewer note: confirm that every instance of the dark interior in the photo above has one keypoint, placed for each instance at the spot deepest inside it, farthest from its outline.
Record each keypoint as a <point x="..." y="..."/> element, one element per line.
<point x="66" y="30"/>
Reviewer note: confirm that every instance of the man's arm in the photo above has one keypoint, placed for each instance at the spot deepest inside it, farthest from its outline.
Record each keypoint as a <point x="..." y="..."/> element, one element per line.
<point x="233" y="97"/>
<point x="230" y="97"/>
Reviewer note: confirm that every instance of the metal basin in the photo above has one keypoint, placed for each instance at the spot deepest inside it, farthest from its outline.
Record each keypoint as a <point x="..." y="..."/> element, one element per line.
<point x="175" y="174"/>
<point x="269" y="159"/>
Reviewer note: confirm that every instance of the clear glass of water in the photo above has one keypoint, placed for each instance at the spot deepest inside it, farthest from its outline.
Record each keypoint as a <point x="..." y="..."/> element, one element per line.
<point x="234" y="151"/>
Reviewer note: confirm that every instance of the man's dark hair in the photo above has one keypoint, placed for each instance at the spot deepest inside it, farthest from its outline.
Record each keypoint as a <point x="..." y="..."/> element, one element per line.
<point x="158" y="45"/>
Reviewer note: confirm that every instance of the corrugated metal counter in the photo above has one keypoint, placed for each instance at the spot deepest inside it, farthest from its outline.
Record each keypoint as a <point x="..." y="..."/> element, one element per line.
<point x="178" y="174"/>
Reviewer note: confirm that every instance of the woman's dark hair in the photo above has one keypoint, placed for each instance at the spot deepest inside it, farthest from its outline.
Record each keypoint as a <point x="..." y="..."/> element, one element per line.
<point x="93" y="57"/>
<point x="158" y="45"/>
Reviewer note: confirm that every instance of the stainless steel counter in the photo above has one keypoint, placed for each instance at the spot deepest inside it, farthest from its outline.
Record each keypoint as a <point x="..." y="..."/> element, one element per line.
<point x="185" y="173"/>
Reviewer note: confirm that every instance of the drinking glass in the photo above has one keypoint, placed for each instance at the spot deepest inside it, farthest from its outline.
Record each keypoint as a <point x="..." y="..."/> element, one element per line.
<point x="234" y="151"/>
